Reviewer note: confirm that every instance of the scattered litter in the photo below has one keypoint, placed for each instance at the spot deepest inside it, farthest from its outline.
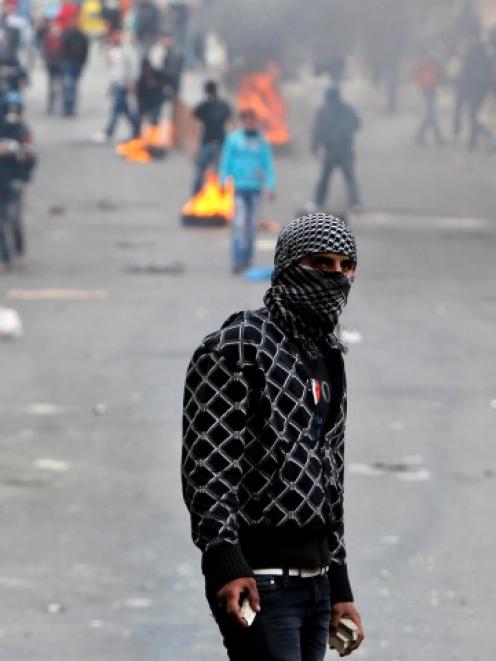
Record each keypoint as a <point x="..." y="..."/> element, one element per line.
<point x="256" y="274"/>
<point x="351" y="337"/>
<point x="43" y="408"/>
<point x="10" y="324"/>
<point x="55" y="609"/>
<point x="421" y="475"/>
<point x="57" y="294"/>
<point x="364" y="469"/>
<point x="407" y="470"/>
<point x="106" y="205"/>
<point x="138" y="602"/>
<point x="175" y="268"/>
<point x="57" y="210"/>
<point x="492" y="403"/>
<point x="99" y="409"/>
<point x="52" y="465"/>
<point x="390" y="539"/>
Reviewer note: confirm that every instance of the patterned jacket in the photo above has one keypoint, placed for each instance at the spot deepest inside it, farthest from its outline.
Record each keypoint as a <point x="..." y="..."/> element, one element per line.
<point x="250" y="454"/>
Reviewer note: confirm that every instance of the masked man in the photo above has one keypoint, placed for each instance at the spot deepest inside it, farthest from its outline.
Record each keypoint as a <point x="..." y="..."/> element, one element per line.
<point x="263" y="450"/>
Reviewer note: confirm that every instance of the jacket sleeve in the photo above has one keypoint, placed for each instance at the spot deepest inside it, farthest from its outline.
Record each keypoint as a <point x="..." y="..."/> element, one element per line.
<point x="225" y="170"/>
<point x="268" y="166"/>
<point x="215" y="407"/>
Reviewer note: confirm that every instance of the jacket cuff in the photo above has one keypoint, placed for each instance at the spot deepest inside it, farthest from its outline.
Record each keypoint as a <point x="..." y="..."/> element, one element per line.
<point x="339" y="583"/>
<point x="224" y="563"/>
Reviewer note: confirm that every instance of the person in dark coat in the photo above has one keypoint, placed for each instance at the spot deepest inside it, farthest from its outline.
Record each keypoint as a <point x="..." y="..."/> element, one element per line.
<point x="333" y="140"/>
<point x="213" y="114"/>
<point x="74" y="52"/>
<point x="472" y="87"/>
<point x="149" y="94"/>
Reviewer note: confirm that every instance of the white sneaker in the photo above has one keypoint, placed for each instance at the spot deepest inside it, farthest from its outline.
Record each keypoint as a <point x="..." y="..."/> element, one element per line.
<point x="100" y="138"/>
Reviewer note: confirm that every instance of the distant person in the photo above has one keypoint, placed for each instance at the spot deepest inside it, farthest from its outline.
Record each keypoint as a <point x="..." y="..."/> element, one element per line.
<point x="147" y="25"/>
<point x="12" y="27"/>
<point x="67" y="13"/>
<point x="17" y="161"/>
<point x="123" y="73"/>
<point x="473" y="85"/>
<point x="75" y="46"/>
<point x="213" y="114"/>
<point x="149" y="93"/>
<point x="247" y="159"/>
<point x="51" y="50"/>
<point x="428" y="77"/>
<point x="333" y="137"/>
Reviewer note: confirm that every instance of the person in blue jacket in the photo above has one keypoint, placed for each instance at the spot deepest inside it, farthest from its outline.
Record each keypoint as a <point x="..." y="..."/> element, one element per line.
<point x="247" y="159"/>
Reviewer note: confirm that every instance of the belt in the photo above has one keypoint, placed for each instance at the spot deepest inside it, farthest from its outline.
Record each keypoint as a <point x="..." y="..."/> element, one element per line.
<point x="302" y="573"/>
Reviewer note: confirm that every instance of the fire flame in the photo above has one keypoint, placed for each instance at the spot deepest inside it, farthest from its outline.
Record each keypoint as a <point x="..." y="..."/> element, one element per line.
<point x="212" y="200"/>
<point x="153" y="137"/>
<point x="259" y="92"/>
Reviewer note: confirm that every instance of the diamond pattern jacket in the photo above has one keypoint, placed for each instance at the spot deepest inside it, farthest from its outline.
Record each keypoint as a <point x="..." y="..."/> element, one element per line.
<point x="251" y="455"/>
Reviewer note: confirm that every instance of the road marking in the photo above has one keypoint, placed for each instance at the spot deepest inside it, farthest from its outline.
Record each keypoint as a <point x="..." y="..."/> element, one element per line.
<point x="43" y="408"/>
<point x="57" y="294"/>
<point x="424" y="222"/>
<point x="52" y="465"/>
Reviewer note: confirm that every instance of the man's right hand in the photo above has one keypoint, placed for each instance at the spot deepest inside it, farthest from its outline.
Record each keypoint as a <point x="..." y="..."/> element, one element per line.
<point x="231" y="594"/>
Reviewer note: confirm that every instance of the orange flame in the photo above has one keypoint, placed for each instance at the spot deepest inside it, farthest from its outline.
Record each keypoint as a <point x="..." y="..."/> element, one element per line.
<point x="259" y="92"/>
<point x="138" y="150"/>
<point x="212" y="200"/>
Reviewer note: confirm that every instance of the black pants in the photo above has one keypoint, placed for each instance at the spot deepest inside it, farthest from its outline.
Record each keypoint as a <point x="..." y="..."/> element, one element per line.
<point x="346" y="164"/>
<point x="292" y="625"/>
<point x="11" y="227"/>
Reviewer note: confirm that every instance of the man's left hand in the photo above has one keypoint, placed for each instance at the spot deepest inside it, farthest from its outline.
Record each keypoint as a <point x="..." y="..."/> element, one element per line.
<point x="346" y="609"/>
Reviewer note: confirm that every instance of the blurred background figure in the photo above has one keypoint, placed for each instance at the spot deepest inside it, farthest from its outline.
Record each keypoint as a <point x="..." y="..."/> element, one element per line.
<point x="333" y="138"/>
<point x="51" y="51"/>
<point x="427" y="75"/>
<point x="74" y="53"/>
<point x="147" y="22"/>
<point x="472" y="87"/>
<point x="168" y="59"/>
<point x="247" y="159"/>
<point x="17" y="161"/>
<point x="123" y="73"/>
<point x="213" y="114"/>
<point x="149" y="93"/>
<point x="67" y="14"/>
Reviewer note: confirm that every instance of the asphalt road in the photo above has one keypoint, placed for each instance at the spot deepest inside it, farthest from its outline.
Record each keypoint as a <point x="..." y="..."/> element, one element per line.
<point x="96" y="559"/>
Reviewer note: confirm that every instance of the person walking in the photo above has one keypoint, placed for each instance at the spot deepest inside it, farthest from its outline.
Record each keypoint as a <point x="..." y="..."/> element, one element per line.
<point x="333" y="136"/>
<point x="472" y="87"/>
<point x="263" y="454"/>
<point x="75" y="46"/>
<point x="51" y="49"/>
<point x="17" y="161"/>
<point x="149" y="94"/>
<point x="123" y="74"/>
<point x="213" y="114"/>
<point x="247" y="159"/>
<point x="428" y="76"/>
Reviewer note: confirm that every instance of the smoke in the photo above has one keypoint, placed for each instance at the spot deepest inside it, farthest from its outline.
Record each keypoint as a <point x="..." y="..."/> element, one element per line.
<point x="293" y="32"/>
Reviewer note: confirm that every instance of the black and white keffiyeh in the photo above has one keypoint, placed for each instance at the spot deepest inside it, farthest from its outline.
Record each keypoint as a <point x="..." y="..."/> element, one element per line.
<point x="304" y="302"/>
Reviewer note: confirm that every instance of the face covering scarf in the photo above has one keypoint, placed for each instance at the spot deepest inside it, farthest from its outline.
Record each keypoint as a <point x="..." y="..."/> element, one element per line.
<point x="306" y="303"/>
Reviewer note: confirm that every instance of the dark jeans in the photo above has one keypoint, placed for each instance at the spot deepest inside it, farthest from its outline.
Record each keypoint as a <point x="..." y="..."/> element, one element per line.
<point x="293" y="623"/>
<point x="70" y="80"/>
<point x="244" y="227"/>
<point x="208" y="156"/>
<point x="11" y="227"/>
<point x="54" y="88"/>
<point x="430" y="121"/>
<point x="346" y="164"/>
<point x="121" y="106"/>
